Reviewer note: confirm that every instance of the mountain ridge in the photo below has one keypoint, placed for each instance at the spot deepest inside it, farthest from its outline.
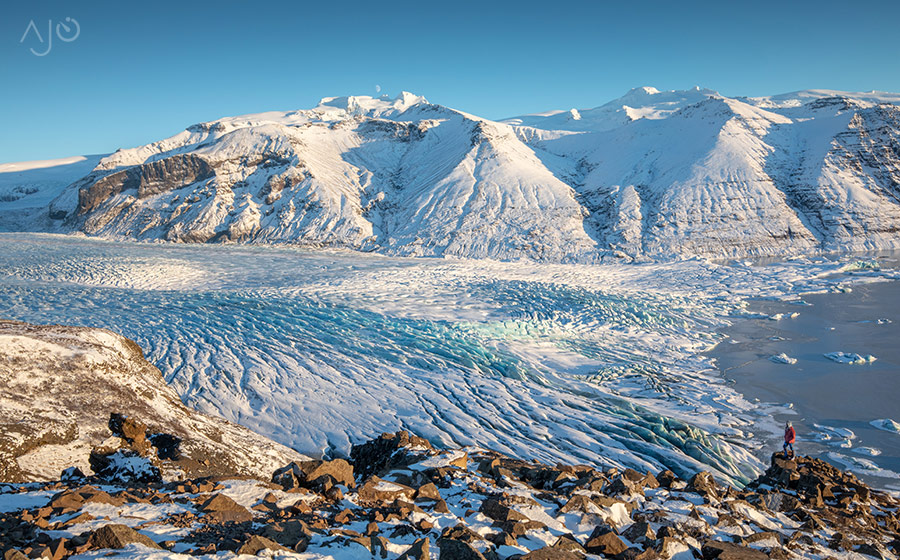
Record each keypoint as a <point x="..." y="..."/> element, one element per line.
<point x="654" y="174"/>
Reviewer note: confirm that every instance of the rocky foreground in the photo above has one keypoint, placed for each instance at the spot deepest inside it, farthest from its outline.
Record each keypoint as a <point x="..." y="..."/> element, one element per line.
<point x="397" y="497"/>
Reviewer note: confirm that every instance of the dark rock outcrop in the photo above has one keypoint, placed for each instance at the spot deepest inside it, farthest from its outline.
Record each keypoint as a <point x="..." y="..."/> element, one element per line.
<point x="386" y="452"/>
<point x="146" y="180"/>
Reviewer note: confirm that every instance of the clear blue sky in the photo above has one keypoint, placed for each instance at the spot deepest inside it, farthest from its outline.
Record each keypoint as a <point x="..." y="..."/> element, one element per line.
<point x="136" y="74"/>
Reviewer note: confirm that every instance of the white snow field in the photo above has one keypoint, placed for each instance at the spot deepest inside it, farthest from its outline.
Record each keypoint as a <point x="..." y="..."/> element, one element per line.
<point x="27" y="188"/>
<point x="320" y="349"/>
<point x="654" y="174"/>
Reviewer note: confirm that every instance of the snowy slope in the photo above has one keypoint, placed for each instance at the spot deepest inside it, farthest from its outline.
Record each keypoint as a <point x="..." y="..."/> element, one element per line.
<point x="655" y="174"/>
<point x="28" y="187"/>
<point x="60" y="385"/>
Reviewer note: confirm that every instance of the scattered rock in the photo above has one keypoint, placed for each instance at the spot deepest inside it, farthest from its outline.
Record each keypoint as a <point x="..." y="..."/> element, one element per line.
<point x="118" y="536"/>
<point x="71" y="474"/>
<point x="605" y="541"/>
<point x="715" y="550"/>
<point x="568" y="543"/>
<point x="639" y="532"/>
<point x="666" y="478"/>
<point x="314" y="475"/>
<point x="496" y="510"/>
<point x="256" y="543"/>
<point x="420" y="550"/>
<point x="288" y="533"/>
<point x="388" y="451"/>
<point x="428" y="492"/>
<point x="704" y="484"/>
<point x="550" y="553"/>
<point x="124" y="465"/>
<point x="222" y="509"/>
<point x="452" y="549"/>
<point x="378" y="490"/>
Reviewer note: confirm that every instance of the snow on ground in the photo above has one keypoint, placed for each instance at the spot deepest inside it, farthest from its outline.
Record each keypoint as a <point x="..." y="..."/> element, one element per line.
<point x="594" y="364"/>
<point x="28" y="187"/>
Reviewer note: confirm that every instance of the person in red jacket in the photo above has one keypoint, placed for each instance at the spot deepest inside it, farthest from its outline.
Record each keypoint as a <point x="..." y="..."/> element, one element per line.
<point x="789" y="437"/>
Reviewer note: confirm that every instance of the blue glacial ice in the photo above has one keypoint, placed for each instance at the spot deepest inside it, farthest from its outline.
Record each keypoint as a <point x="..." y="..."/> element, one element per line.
<point x="321" y="349"/>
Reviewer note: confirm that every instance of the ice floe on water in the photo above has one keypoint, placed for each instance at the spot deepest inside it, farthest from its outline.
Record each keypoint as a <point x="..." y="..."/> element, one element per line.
<point x="596" y="364"/>
<point x="850" y="358"/>
<point x="783" y="359"/>
<point x="780" y="316"/>
<point x="870" y="451"/>
<point x="887" y="425"/>
<point x="836" y="437"/>
<point x="861" y="266"/>
<point x="881" y="321"/>
<point x="860" y="465"/>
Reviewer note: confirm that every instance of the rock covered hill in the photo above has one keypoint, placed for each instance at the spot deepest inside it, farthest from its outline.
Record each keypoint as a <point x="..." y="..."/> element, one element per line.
<point x="653" y="174"/>
<point x="60" y="385"/>
<point x="400" y="499"/>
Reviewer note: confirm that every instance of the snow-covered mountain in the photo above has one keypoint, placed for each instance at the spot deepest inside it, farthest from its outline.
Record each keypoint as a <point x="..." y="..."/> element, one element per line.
<point x="652" y="174"/>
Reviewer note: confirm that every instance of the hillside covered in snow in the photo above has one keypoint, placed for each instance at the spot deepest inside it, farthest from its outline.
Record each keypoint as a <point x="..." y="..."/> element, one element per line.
<point x="650" y="175"/>
<point x="60" y="385"/>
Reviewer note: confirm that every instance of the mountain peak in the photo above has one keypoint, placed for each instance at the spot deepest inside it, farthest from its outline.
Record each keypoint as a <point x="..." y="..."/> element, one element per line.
<point x="643" y="90"/>
<point x="373" y="106"/>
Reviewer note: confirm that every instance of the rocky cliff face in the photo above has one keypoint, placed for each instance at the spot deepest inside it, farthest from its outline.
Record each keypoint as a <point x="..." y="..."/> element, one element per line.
<point x="60" y="386"/>
<point x="653" y="174"/>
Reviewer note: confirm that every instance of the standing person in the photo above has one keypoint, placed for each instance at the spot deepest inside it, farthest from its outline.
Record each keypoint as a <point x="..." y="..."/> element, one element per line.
<point x="789" y="437"/>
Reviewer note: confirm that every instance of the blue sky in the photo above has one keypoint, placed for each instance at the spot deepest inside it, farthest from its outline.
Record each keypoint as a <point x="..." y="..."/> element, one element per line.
<point x="136" y="74"/>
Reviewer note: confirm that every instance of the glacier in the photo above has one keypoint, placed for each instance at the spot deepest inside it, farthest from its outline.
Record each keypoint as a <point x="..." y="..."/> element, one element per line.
<point x="601" y="364"/>
<point x="652" y="175"/>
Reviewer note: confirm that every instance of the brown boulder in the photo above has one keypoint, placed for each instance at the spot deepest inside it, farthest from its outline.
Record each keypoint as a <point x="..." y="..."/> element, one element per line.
<point x="118" y="536"/>
<point x="420" y="550"/>
<point x="319" y="475"/>
<point x="639" y="532"/>
<point x="496" y="510"/>
<point x="625" y="486"/>
<point x="452" y="549"/>
<point x="579" y="503"/>
<point x="666" y="478"/>
<point x="716" y="550"/>
<point x="288" y="533"/>
<point x="604" y="541"/>
<point x="388" y="451"/>
<point x="550" y="553"/>
<point x="222" y="509"/>
<point x="568" y="542"/>
<point x="460" y="532"/>
<point x="428" y="492"/>
<point x="378" y="490"/>
<point x="704" y="484"/>
<point x="256" y="543"/>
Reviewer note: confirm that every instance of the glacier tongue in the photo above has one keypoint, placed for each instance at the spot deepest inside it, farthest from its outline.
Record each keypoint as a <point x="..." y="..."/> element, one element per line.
<point x="314" y="348"/>
<point x="658" y="174"/>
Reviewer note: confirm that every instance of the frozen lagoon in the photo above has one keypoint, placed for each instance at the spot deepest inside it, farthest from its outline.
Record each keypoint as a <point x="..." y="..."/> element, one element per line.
<point x="827" y="397"/>
<point x="320" y="349"/>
